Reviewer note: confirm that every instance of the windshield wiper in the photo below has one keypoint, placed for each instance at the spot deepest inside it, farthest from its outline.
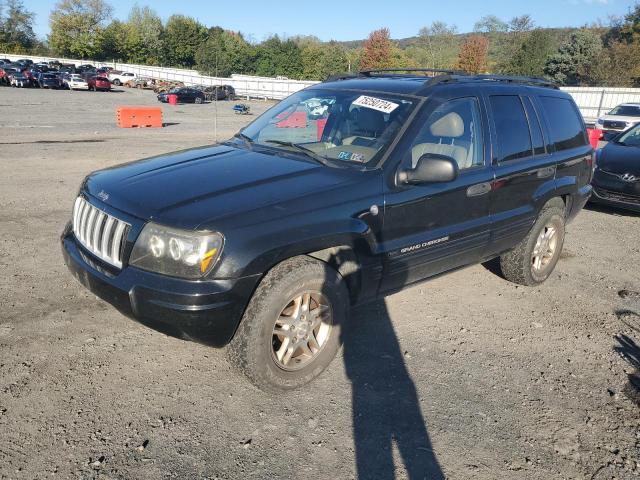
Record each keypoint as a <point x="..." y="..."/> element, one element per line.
<point x="307" y="151"/>
<point x="248" y="141"/>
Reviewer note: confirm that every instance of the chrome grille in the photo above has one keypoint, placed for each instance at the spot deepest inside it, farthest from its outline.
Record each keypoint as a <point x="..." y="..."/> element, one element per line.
<point x="99" y="232"/>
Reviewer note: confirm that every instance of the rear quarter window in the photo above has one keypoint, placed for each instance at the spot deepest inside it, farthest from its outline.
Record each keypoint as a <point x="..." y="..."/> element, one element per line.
<point x="565" y="124"/>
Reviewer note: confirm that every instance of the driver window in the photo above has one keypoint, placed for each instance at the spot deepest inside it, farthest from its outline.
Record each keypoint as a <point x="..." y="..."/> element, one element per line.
<point x="453" y="129"/>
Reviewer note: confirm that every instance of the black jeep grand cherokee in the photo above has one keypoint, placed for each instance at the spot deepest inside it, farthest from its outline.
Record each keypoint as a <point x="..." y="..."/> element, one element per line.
<point x="346" y="191"/>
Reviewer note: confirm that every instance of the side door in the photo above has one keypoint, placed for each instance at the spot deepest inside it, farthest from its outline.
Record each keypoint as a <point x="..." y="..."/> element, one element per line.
<point x="434" y="227"/>
<point x="523" y="165"/>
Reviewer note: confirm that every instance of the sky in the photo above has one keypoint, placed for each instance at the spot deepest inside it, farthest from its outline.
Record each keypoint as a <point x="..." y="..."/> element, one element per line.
<point x="353" y="20"/>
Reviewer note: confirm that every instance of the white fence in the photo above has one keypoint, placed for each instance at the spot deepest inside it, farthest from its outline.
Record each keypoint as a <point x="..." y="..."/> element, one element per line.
<point x="596" y="101"/>
<point x="592" y="101"/>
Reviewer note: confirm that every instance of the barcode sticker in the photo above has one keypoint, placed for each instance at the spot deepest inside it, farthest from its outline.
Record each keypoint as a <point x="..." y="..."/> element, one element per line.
<point x="384" y="106"/>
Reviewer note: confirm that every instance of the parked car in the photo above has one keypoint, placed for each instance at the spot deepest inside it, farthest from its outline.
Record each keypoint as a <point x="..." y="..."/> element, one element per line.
<point x="184" y="94"/>
<point x="85" y="67"/>
<point x="5" y="73"/>
<point x="18" y="79"/>
<point x="118" y="78"/>
<point x="265" y="241"/>
<point x="219" y="92"/>
<point x="617" y="177"/>
<point x="99" y="83"/>
<point x="620" y="119"/>
<point x="49" y="80"/>
<point x="74" y="82"/>
<point x="67" y="68"/>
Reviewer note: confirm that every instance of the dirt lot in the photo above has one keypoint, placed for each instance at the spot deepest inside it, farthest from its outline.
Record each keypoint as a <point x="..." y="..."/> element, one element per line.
<point x="464" y="377"/>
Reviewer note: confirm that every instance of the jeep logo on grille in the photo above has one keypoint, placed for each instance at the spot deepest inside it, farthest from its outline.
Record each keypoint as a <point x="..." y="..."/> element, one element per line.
<point x="628" y="177"/>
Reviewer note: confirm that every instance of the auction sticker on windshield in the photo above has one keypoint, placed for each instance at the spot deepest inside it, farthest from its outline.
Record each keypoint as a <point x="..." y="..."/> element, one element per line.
<point x="374" y="103"/>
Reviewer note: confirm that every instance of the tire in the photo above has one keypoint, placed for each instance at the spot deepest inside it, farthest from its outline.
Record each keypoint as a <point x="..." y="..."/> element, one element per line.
<point x="255" y="348"/>
<point x="198" y="100"/>
<point x="532" y="261"/>
<point x="117" y="82"/>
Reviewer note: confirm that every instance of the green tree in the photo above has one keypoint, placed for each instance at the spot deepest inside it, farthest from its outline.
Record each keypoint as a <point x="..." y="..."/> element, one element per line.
<point x="77" y="27"/>
<point x="183" y="37"/>
<point x="143" y="39"/>
<point x="276" y="57"/>
<point x="16" y="27"/>
<point x="113" y="42"/>
<point x="569" y="64"/>
<point x="532" y="55"/>
<point x="629" y="29"/>
<point x="224" y="53"/>
<point x="490" y="24"/>
<point x="438" y="42"/>
<point x="320" y="60"/>
<point x="617" y="65"/>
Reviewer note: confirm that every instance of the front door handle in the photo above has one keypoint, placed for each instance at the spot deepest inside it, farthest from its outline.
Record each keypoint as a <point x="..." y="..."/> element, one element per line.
<point x="546" y="172"/>
<point x="478" y="189"/>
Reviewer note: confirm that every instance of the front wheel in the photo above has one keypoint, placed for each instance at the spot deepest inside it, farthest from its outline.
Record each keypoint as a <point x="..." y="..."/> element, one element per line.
<point x="534" y="258"/>
<point x="199" y="100"/>
<point x="117" y="82"/>
<point x="290" y="331"/>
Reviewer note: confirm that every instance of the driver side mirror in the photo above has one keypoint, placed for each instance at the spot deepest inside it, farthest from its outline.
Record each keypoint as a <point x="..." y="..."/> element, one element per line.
<point x="431" y="168"/>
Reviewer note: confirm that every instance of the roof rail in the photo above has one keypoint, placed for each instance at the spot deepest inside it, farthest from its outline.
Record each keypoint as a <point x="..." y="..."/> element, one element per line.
<point x="435" y="71"/>
<point x="535" y="81"/>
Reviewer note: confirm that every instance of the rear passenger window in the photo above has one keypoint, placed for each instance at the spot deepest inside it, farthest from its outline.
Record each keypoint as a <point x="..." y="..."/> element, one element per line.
<point x="536" y="130"/>
<point x="564" y="122"/>
<point x="512" y="129"/>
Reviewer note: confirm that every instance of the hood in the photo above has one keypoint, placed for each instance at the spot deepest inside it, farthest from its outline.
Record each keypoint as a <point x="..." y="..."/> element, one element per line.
<point x="619" y="159"/>
<point x="192" y="188"/>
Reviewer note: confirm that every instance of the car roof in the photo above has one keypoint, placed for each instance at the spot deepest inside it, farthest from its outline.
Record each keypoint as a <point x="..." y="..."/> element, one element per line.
<point x="630" y="104"/>
<point x="416" y="81"/>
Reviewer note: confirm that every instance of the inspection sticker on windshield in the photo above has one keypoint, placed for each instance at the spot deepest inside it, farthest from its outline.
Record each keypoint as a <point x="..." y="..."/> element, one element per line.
<point x="374" y="103"/>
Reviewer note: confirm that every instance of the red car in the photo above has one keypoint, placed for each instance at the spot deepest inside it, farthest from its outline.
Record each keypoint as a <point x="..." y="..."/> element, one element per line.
<point x="99" y="83"/>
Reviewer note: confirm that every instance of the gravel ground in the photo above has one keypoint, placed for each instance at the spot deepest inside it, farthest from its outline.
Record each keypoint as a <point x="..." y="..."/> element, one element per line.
<point x="464" y="377"/>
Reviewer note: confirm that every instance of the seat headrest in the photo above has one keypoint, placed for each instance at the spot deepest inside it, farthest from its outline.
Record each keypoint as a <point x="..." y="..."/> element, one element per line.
<point x="451" y="125"/>
<point x="370" y="120"/>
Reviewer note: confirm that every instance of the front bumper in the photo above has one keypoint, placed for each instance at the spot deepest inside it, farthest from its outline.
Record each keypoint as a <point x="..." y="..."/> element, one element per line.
<point x="206" y="312"/>
<point x="611" y="191"/>
<point x="615" y="199"/>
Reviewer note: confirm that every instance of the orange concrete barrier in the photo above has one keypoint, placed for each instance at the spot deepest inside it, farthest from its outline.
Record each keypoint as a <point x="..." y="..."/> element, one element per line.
<point x="139" y="117"/>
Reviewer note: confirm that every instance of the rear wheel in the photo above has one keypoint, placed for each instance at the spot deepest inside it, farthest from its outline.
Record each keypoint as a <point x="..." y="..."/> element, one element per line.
<point x="199" y="100"/>
<point x="534" y="258"/>
<point x="290" y="331"/>
<point x="117" y="82"/>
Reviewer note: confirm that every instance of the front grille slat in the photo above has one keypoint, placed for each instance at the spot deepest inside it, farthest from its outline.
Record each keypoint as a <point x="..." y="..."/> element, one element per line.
<point x="100" y="233"/>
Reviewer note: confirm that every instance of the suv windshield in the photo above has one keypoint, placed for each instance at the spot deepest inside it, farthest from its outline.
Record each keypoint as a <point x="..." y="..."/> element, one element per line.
<point x="349" y="127"/>
<point x="630" y="138"/>
<point x="626" y="110"/>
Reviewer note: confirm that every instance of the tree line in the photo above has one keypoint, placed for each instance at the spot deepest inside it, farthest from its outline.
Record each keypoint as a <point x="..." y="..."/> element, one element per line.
<point x="601" y="54"/>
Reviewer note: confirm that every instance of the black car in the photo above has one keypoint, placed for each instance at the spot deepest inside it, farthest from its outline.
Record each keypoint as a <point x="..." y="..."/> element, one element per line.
<point x="617" y="177"/>
<point x="344" y="192"/>
<point x="49" y="80"/>
<point x="184" y="94"/>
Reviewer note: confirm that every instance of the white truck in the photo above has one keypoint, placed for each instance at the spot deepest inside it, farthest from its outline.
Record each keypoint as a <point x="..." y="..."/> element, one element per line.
<point x="118" y="78"/>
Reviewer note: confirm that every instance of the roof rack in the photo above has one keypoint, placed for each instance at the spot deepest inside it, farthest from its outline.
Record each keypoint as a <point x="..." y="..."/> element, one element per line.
<point x="535" y="81"/>
<point x="434" y="71"/>
<point x="446" y="76"/>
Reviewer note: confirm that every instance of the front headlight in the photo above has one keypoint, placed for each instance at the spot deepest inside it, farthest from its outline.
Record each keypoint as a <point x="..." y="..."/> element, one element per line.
<point x="177" y="253"/>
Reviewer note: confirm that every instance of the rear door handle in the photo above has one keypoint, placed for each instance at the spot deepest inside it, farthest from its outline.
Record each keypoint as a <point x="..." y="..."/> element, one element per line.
<point x="478" y="189"/>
